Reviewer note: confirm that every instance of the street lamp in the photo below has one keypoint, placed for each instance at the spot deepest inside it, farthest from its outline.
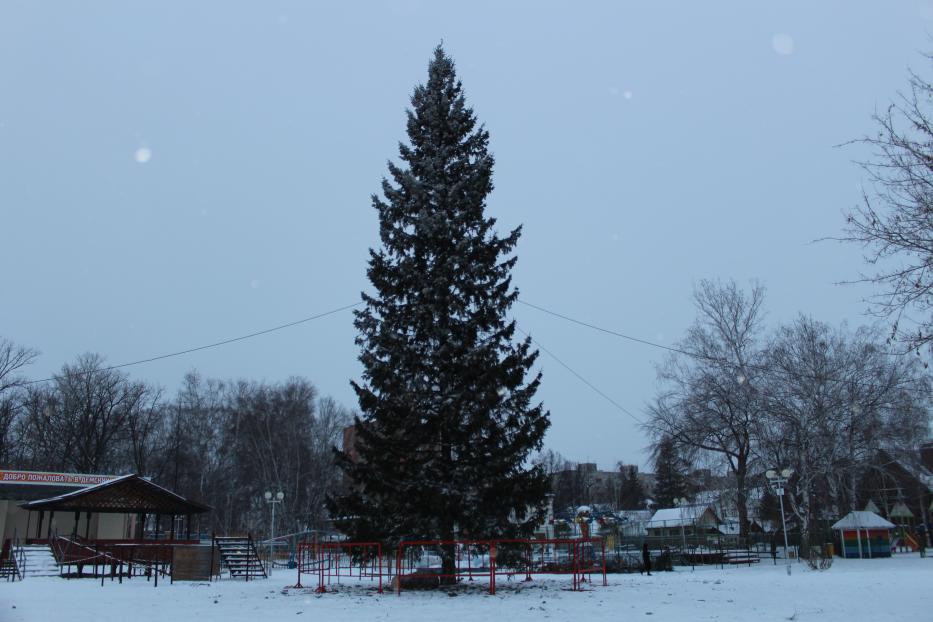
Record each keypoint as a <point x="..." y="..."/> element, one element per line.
<point x="272" y="500"/>
<point x="778" y="481"/>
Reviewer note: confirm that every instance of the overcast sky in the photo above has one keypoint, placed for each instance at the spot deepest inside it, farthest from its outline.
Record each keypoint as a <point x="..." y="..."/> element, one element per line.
<point x="177" y="173"/>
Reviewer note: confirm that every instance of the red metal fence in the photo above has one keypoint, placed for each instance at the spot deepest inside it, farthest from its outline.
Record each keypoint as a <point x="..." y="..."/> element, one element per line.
<point x="421" y="563"/>
<point x="329" y="561"/>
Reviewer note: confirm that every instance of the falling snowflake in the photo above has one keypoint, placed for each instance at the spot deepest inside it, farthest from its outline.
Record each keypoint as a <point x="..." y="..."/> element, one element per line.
<point x="143" y="155"/>
<point x="627" y="95"/>
<point x="783" y="44"/>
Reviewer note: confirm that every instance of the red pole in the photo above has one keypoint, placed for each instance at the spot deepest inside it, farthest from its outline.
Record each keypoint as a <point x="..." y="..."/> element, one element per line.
<point x="320" y="569"/>
<point x="492" y="568"/>
<point x="575" y="566"/>
<point x="469" y="563"/>
<point x="528" y="562"/>
<point x="605" y="582"/>
<point x="379" y="553"/>
<point x="298" y="584"/>
<point x="398" y="570"/>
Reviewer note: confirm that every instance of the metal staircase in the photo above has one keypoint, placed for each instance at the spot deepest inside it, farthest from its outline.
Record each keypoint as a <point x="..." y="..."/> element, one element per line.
<point x="37" y="560"/>
<point x="11" y="566"/>
<point x="239" y="557"/>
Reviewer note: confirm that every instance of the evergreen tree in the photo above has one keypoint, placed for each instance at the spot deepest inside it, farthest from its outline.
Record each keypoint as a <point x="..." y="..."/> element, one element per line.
<point x="670" y="473"/>
<point x="447" y="418"/>
<point x="769" y="509"/>
<point x="631" y="492"/>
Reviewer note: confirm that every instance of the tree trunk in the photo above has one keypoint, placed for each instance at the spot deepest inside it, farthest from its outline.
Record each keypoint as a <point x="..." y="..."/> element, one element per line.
<point x="741" y="495"/>
<point x="448" y="557"/>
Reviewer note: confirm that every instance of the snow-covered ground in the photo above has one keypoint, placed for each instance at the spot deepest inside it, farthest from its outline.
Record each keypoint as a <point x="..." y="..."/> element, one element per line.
<point x="872" y="590"/>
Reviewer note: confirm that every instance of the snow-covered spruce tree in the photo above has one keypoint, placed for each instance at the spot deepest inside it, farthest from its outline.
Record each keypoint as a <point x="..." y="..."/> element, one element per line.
<point x="670" y="474"/>
<point x="447" y="419"/>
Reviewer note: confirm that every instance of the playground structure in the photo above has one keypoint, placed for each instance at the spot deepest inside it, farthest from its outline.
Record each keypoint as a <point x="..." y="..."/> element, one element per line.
<point x="419" y="564"/>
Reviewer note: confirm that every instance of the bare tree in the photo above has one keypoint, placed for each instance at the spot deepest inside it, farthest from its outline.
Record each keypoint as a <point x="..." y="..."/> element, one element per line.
<point x="196" y="463"/>
<point x="710" y="398"/>
<point x="87" y="412"/>
<point x="145" y="431"/>
<point x="894" y="223"/>
<point x="280" y="438"/>
<point x="834" y="400"/>
<point x="324" y="479"/>
<point x="43" y="444"/>
<point x="12" y="359"/>
<point x="550" y="461"/>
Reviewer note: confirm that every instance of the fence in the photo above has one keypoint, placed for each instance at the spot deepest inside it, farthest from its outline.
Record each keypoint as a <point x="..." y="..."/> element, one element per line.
<point x="330" y="561"/>
<point x="435" y="562"/>
<point x="422" y="563"/>
<point x="688" y="546"/>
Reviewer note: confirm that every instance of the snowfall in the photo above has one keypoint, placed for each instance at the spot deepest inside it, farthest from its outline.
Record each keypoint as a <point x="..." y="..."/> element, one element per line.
<point x="899" y="588"/>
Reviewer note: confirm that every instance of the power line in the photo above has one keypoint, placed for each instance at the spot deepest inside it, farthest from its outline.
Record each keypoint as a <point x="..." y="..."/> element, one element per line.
<point x="696" y="355"/>
<point x="610" y="332"/>
<point x="580" y="377"/>
<point x="215" y="344"/>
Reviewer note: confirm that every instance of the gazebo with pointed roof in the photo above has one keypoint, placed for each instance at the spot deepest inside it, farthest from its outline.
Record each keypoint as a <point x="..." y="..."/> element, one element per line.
<point x="129" y="494"/>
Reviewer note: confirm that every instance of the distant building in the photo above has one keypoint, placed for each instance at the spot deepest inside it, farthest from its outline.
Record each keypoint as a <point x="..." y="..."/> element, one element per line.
<point x="900" y="486"/>
<point x="688" y="521"/>
<point x="18" y="487"/>
<point x="585" y="484"/>
<point x="349" y="443"/>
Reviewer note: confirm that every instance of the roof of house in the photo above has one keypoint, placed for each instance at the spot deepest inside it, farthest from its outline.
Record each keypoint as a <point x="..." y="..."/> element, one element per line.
<point x="860" y="519"/>
<point x="912" y="465"/>
<point x="678" y="517"/>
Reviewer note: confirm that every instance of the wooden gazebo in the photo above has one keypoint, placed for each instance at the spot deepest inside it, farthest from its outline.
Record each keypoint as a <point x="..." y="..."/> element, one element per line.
<point x="128" y="495"/>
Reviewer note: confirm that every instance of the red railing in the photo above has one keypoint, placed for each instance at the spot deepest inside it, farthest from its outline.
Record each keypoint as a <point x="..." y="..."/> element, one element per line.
<point x="127" y="558"/>
<point x="422" y="561"/>
<point x="501" y="557"/>
<point x="330" y="561"/>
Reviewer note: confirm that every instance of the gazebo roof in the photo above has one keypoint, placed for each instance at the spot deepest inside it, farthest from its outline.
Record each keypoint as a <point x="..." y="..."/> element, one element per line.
<point x="862" y="520"/>
<point x="124" y="495"/>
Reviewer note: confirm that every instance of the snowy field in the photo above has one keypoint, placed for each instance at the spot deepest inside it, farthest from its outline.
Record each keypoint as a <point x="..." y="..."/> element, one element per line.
<point x="872" y="590"/>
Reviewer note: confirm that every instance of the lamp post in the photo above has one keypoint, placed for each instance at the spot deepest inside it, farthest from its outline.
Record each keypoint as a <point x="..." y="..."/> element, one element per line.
<point x="778" y="481"/>
<point x="272" y="500"/>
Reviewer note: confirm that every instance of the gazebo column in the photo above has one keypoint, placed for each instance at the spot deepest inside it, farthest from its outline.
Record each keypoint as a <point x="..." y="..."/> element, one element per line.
<point x="87" y="526"/>
<point x="158" y="520"/>
<point x="39" y="524"/>
<point x="172" y="532"/>
<point x="188" y="530"/>
<point x="49" y="533"/>
<point x="74" y="531"/>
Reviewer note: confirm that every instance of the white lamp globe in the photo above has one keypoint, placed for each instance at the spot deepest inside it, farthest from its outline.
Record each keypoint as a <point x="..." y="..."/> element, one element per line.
<point x="268" y="495"/>
<point x="280" y="495"/>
